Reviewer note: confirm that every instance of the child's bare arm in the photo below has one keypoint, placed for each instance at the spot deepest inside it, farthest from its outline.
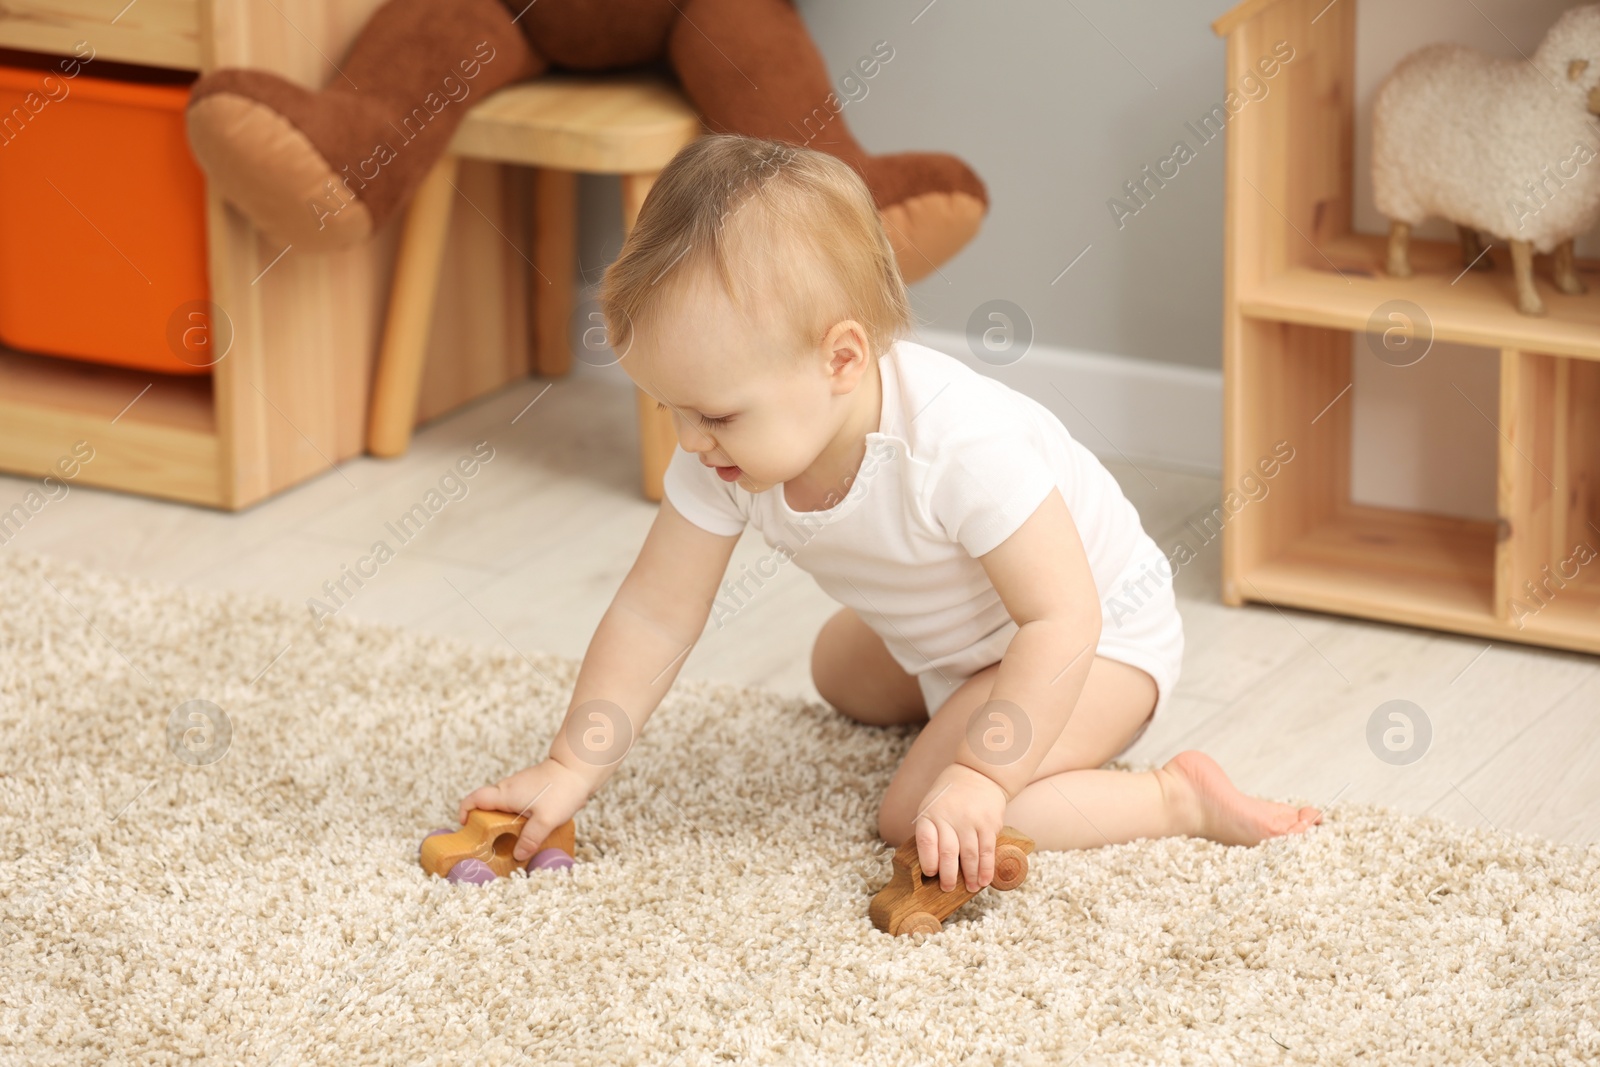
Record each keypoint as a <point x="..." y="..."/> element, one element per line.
<point x="1042" y="575"/>
<point x="630" y="664"/>
<point x="641" y="642"/>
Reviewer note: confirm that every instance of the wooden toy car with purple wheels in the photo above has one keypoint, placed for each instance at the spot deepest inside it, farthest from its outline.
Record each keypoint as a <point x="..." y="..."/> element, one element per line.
<point x="480" y="851"/>
<point x="913" y="903"/>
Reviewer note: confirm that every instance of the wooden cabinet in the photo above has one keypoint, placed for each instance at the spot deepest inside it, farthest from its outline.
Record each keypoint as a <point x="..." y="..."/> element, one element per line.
<point x="1299" y="284"/>
<point x="289" y="400"/>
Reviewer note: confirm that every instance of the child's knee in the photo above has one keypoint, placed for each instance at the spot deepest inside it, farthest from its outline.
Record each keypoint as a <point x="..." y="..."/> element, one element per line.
<point x="825" y="673"/>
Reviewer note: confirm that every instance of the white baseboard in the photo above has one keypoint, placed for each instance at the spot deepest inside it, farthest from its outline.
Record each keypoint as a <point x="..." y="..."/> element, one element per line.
<point x="1121" y="407"/>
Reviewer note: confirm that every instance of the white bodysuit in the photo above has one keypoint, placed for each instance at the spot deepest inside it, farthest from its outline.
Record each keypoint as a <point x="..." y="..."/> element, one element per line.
<point x="958" y="462"/>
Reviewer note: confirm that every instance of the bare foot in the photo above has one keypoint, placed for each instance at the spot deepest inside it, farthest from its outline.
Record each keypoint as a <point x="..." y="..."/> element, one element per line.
<point x="1208" y="805"/>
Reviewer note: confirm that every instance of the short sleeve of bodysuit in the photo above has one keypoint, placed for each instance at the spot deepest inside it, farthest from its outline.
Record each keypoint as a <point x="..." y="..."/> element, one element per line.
<point x="702" y="497"/>
<point x="987" y="480"/>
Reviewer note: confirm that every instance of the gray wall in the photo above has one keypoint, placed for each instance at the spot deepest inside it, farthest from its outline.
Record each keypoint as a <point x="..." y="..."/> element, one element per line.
<point x="1055" y="105"/>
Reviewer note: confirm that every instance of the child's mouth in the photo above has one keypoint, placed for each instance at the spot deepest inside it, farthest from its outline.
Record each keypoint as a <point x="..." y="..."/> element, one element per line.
<point x="729" y="474"/>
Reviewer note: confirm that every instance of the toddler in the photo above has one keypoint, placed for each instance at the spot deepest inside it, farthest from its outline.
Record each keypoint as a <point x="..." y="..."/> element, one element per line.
<point x="994" y="581"/>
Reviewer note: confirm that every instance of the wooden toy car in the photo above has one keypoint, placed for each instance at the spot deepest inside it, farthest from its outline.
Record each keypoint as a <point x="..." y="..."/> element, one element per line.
<point x="913" y="903"/>
<point x="480" y="851"/>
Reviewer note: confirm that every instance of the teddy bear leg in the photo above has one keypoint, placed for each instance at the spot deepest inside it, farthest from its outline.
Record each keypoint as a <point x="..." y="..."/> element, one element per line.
<point x="1528" y="301"/>
<point x="1399" y="265"/>
<point x="750" y="67"/>
<point x="1566" y="270"/>
<point x="1474" y="256"/>
<point x="326" y="169"/>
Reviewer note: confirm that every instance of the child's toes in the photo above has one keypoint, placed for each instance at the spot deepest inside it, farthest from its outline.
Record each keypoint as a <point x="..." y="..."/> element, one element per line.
<point x="1304" y="820"/>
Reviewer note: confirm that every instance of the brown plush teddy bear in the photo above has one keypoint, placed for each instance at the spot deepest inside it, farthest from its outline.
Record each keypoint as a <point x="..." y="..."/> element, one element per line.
<point x="275" y="149"/>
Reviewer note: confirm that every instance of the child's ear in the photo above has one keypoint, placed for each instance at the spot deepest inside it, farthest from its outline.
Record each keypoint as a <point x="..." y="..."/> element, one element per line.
<point x="848" y="348"/>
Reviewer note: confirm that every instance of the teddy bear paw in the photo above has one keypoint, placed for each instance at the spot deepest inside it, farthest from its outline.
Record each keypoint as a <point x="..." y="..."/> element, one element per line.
<point x="931" y="205"/>
<point x="261" y="162"/>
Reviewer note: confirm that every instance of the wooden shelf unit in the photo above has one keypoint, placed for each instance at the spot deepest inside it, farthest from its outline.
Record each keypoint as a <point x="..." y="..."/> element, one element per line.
<point x="1299" y="284"/>
<point x="290" y="398"/>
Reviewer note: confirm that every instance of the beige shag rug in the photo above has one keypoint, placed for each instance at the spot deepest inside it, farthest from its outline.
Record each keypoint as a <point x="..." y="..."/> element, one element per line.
<point x="267" y="907"/>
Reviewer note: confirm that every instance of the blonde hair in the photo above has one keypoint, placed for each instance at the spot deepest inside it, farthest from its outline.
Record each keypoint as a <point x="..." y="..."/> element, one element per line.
<point x="809" y="237"/>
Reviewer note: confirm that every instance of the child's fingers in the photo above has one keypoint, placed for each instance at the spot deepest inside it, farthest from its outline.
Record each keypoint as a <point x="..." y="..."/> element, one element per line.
<point x="533" y="834"/>
<point x="927" y="834"/>
<point x="967" y="839"/>
<point x="986" y="844"/>
<point x="939" y="851"/>
<point x="949" y="857"/>
<point x="486" y="797"/>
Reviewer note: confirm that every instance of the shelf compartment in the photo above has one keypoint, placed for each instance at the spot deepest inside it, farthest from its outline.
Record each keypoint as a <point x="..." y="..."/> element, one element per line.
<point x="1305" y="544"/>
<point x="1385" y="563"/>
<point x="1476" y="307"/>
<point x="165" y="444"/>
<point x="1416" y="569"/>
<point x="1547" y="568"/>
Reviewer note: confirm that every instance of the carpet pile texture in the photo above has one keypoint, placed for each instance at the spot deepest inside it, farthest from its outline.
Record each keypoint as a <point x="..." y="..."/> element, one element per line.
<point x="266" y="905"/>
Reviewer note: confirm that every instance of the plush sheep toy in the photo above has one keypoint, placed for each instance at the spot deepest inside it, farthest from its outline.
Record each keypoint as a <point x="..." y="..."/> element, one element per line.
<point x="1507" y="148"/>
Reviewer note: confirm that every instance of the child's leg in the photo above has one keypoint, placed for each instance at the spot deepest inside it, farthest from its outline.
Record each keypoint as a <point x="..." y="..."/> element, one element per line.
<point x="1189" y="795"/>
<point x="854" y="672"/>
<point x="1070" y="803"/>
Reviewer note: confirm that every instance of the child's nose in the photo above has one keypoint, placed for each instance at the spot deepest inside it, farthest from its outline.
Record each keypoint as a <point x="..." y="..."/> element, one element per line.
<point x="691" y="437"/>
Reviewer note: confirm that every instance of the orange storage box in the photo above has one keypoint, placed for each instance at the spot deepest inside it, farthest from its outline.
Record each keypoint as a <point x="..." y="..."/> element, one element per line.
<point x="102" y="221"/>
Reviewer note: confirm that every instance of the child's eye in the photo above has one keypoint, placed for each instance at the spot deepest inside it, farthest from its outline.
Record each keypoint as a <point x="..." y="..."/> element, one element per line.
<point x="704" y="421"/>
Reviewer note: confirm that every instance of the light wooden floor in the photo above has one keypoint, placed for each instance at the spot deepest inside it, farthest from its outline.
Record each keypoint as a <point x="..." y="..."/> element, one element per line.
<point x="532" y="553"/>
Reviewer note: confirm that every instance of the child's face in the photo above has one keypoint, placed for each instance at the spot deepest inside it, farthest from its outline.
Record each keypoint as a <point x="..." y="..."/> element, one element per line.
<point x="738" y="399"/>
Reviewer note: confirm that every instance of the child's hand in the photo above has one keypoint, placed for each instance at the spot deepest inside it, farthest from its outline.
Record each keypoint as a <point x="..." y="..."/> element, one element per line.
<point x="960" y="819"/>
<point x="548" y="793"/>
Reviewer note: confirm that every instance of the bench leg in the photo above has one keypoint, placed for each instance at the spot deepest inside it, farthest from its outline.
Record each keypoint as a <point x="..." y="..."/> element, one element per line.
<point x="555" y="257"/>
<point x="657" y="438"/>
<point x="398" y="376"/>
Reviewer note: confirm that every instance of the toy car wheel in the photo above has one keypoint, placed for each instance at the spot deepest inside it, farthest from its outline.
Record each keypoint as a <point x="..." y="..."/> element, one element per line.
<point x="432" y="833"/>
<point x="1010" y="867"/>
<point x="471" y="871"/>
<point x="920" y="922"/>
<point x="548" y="859"/>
